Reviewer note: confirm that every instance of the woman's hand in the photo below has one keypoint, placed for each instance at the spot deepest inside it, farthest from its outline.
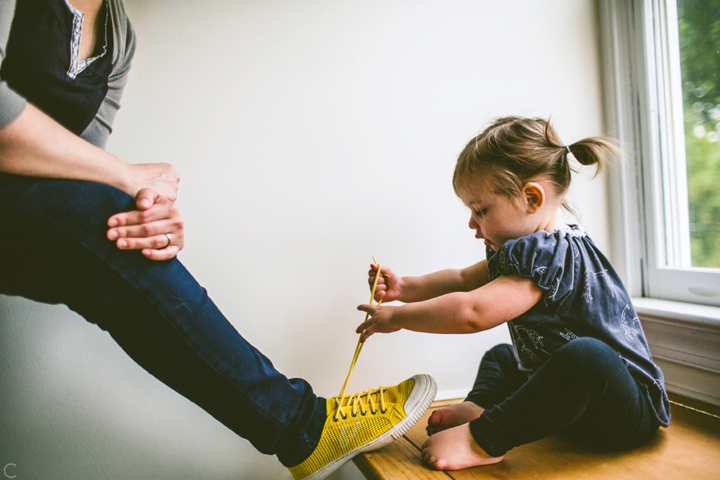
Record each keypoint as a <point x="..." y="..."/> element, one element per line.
<point x="380" y="321"/>
<point x="156" y="227"/>
<point x="161" y="178"/>
<point x="389" y="285"/>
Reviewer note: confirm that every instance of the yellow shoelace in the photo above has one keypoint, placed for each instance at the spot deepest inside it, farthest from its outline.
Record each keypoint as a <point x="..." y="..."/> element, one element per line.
<point x="356" y="398"/>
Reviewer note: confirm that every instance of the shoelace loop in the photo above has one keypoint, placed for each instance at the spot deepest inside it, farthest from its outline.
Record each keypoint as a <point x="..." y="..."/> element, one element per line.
<point x="360" y="407"/>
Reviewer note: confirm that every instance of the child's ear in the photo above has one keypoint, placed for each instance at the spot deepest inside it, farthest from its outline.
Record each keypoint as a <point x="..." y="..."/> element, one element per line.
<point x="534" y="196"/>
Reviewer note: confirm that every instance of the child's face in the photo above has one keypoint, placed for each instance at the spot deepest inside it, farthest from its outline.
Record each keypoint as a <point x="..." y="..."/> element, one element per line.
<point x="496" y="218"/>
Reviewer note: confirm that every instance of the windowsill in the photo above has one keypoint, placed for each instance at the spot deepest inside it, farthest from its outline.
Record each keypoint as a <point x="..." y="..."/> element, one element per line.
<point x="684" y="339"/>
<point x="678" y="311"/>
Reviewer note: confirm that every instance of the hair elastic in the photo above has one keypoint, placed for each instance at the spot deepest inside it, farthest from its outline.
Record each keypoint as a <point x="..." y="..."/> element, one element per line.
<point x="567" y="149"/>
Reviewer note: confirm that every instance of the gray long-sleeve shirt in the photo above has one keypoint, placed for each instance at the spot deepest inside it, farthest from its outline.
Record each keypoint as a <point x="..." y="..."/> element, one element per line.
<point x="97" y="133"/>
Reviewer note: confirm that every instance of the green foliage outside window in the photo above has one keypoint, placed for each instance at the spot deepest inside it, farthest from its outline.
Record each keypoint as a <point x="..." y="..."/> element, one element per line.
<point x="699" y="27"/>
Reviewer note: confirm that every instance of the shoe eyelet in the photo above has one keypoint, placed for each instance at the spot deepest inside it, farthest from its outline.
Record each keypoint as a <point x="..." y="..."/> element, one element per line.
<point x="344" y="417"/>
<point x="363" y="413"/>
<point x="353" y="415"/>
<point x="383" y="411"/>
<point x="373" y="412"/>
<point x="335" y="419"/>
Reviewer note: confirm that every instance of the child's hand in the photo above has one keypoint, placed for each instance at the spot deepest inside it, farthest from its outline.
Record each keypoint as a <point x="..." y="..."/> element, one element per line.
<point x="388" y="286"/>
<point x="380" y="320"/>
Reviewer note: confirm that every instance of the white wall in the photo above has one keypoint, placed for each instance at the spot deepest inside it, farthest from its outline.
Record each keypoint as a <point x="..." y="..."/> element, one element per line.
<point x="309" y="136"/>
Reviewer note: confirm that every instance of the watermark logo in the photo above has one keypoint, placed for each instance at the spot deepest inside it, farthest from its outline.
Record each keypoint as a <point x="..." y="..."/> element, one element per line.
<point x="8" y="470"/>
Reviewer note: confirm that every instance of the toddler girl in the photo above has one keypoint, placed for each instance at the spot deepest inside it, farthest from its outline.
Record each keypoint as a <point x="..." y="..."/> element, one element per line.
<point x="579" y="363"/>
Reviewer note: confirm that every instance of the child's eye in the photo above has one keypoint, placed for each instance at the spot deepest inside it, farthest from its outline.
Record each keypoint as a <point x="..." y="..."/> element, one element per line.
<point x="480" y="212"/>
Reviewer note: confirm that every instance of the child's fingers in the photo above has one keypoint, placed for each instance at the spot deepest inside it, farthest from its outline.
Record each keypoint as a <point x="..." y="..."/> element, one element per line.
<point x="371" y="309"/>
<point x="363" y="326"/>
<point x="373" y="271"/>
<point x="365" y="335"/>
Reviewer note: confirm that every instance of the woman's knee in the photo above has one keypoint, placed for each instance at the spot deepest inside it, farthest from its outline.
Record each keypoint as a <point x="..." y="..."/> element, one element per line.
<point x="61" y="202"/>
<point x="88" y="202"/>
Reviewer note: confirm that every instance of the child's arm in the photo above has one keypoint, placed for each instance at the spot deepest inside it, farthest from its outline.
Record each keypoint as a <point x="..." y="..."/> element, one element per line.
<point x="496" y="302"/>
<point x="416" y="289"/>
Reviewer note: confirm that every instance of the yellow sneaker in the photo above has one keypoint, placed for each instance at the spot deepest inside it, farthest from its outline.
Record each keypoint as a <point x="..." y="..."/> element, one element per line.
<point x="366" y="421"/>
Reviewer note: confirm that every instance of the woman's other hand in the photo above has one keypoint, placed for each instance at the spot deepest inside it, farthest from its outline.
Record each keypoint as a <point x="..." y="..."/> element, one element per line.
<point x="161" y="178"/>
<point x="388" y="286"/>
<point x="156" y="227"/>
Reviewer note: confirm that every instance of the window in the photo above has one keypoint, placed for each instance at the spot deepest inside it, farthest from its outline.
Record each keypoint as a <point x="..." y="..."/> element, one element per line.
<point x="699" y="45"/>
<point x="662" y="62"/>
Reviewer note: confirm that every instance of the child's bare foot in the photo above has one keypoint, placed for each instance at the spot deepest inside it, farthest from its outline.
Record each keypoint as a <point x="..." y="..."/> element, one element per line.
<point x="454" y="449"/>
<point x="453" y="416"/>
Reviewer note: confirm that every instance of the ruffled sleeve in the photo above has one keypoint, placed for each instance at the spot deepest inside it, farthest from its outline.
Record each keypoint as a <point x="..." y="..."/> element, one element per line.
<point x="546" y="258"/>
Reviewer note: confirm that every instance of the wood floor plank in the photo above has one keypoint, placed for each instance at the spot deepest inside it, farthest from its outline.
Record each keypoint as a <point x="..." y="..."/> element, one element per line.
<point x="399" y="460"/>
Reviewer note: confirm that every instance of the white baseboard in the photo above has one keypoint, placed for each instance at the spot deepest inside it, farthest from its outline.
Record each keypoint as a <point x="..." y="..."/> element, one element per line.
<point x="452" y="394"/>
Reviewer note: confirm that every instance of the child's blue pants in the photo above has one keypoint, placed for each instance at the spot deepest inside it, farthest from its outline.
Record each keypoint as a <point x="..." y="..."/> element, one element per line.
<point x="583" y="390"/>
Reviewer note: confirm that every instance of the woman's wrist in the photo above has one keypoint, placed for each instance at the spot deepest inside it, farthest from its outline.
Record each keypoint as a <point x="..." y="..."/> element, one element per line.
<point x="126" y="178"/>
<point x="115" y="172"/>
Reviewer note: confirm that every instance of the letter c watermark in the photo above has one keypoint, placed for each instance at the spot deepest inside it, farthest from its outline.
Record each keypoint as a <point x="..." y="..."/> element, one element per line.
<point x="5" y="470"/>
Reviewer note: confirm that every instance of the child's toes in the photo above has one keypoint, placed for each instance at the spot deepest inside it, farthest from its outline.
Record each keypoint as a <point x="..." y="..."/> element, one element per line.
<point x="427" y="457"/>
<point x="435" y="464"/>
<point x="434" y="421"/>
<point x="432" y="460"/>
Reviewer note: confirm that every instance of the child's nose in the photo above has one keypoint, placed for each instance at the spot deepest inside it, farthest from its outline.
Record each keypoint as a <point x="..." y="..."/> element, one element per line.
<point x="474" y="225"/>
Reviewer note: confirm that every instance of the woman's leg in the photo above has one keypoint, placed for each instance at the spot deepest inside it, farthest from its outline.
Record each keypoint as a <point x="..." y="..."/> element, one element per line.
<point x="498" y="377"/>
<point x="53" y="249"/>
<point x="585" y="389"/>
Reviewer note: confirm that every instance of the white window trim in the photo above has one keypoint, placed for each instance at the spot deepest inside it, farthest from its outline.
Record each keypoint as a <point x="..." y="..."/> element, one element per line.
<point x="684" y="337"/>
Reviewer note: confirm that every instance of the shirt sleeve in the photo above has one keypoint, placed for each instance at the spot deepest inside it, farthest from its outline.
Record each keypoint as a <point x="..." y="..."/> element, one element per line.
<point x="11" y="103"/>
<point x="546" y="258"/>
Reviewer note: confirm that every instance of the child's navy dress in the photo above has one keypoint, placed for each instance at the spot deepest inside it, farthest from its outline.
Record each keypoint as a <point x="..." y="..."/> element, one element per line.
<point x="583" y="299"/>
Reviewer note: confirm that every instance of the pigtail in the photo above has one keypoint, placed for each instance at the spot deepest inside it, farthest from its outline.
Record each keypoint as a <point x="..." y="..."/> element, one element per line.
<point x="600" y="151"/>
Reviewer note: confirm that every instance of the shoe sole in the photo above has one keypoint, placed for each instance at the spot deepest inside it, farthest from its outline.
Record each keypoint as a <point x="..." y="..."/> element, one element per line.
<point x="418" y="402"/>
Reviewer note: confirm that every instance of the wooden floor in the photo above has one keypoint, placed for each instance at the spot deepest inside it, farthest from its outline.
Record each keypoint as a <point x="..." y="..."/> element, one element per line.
<point x="688" y="449"/>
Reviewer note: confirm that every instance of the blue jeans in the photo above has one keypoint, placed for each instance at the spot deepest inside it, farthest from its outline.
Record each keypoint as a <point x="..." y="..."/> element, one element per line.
<point x="53" y="249"/>
<point x="584" y="391"/>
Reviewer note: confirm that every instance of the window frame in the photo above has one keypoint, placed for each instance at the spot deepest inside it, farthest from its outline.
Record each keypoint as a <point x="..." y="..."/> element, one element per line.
<point x="643" y="107"/>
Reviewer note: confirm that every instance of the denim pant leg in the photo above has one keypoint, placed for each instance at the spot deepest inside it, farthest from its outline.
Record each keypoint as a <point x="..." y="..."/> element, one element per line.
<point x="498" y="377"/>
<point x="53" y="249"/>
<point x="583" y="389"/>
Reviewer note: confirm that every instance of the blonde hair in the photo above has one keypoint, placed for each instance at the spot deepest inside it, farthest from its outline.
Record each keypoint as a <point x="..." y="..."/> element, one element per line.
<point x="514" y="150"/>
